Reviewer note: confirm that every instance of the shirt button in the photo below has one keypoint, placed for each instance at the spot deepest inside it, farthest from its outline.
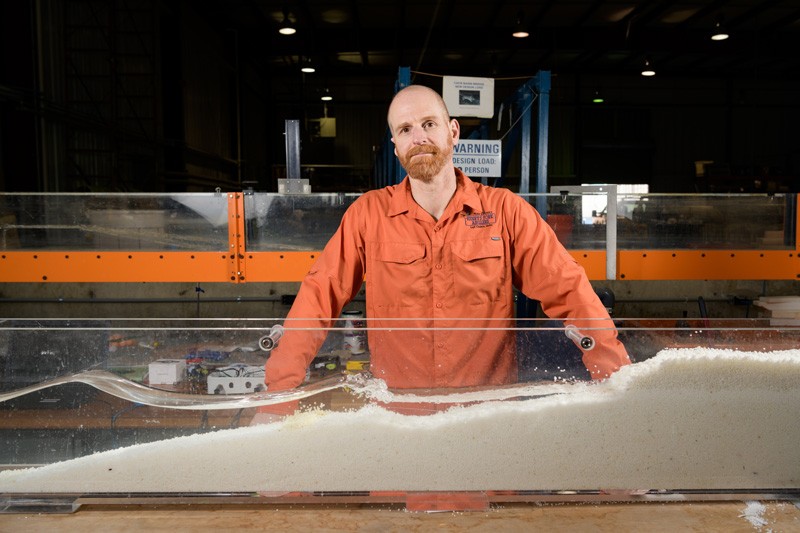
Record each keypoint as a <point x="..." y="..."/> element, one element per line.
<point x="438" y="267"/>
<point x="439" y="305"/>
<point x="436" y="228"/>
<point x="440" y="345"/>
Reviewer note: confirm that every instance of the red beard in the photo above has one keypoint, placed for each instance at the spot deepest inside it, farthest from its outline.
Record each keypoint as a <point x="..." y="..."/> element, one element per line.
<point x="424" y="168"/>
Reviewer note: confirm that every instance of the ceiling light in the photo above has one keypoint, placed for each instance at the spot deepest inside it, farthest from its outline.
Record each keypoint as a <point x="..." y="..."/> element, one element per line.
<point x="307" y="66"/>
<point x="326" y="96"/>
<point x="519" y="31"/>
<point x="719" y="33"/>
<point x="597" y="98"/>
<point x="286" y="27"/>
<point x="648" y="69"/>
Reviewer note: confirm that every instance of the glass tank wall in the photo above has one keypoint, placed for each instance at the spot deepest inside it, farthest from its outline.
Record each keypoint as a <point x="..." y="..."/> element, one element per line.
<point x="189" y="221"/>
<point x="111" y="407"/>
<point x="675" y="221"/>
<point x="276" y="222"/>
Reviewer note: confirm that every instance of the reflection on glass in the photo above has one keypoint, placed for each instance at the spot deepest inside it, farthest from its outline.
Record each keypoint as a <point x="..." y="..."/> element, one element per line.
<point x="672" y="221"/>
<point x="707" y="405"/>
<point x="199" y="221"/>
<point x="193" y="221"/>
<point x="293" y="222"/>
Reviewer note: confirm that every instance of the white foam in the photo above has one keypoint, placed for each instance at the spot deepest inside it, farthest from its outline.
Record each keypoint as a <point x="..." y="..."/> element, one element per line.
<point x="754" y="513"/>
<point x="685" y="419"/>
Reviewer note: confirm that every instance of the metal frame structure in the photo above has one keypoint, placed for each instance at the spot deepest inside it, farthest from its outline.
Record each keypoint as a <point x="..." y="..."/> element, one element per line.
<point x="388" y="170"/>
<point x="535" y="90"/>
<point x="237" y="264"/>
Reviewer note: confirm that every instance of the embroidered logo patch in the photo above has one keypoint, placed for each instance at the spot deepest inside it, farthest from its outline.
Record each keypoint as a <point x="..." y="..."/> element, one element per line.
<point x="480" y="220"/>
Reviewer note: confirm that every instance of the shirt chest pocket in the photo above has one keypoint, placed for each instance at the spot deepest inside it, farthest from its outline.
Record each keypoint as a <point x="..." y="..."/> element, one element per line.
<point x="479" y="270"/>
<point x="398" y="275"/>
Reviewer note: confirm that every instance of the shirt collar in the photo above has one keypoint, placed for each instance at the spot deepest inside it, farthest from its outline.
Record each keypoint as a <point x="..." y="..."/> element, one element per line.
<point x="401" y="201"/>
<point x="466" y="195"/>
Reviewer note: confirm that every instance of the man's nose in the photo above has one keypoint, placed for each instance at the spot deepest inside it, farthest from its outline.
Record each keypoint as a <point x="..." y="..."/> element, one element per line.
<point x="418" y="136"/>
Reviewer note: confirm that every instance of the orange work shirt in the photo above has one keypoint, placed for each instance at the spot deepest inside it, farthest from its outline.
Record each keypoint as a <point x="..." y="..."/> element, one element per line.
<point x="424" y="277"/>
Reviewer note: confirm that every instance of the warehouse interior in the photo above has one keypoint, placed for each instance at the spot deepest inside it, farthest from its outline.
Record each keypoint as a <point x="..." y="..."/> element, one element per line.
<point x="171" y="96"/>
<point x="146" y="149"/>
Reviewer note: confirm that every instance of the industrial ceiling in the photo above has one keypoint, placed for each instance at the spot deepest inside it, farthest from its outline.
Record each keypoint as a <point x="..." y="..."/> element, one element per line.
<point x="473" y="37"/>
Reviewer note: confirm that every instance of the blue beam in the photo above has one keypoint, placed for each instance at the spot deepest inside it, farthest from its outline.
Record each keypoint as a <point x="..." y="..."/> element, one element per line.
<point x="543" y="89"/>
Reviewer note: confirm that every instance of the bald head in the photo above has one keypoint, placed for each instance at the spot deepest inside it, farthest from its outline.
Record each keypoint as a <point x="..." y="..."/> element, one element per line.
<point x="423" y="134"/>
<point x="416" y="94"/>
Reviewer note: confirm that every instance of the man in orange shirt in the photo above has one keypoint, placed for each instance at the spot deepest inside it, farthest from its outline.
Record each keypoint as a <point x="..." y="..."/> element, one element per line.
<point x="441" y="255"/>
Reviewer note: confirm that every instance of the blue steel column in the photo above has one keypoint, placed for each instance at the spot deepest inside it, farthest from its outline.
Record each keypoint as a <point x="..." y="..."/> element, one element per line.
<point x="540" y="84"/>
<point x="524" y="95"/>
<point x="525" y="141"/>
<point x="397" y="173"/>
<point x="387" y="170"/>
<point x="543" y="88"/>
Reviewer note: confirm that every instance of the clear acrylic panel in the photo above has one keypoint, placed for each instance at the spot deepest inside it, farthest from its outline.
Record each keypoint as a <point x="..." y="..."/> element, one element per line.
<point x="303" y="222"/>
<point x="706" y="221"/>
<point x="297" y="222"/>
<point x="675" y="221"/>
<point x="174" y="407"/>
<point x="577" y="219"/>
<point x="189" y="221"/>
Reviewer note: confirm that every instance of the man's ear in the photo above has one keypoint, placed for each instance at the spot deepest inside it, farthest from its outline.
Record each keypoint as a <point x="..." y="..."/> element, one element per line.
<point x="394" y="144"/>
<point x="455" y="130"/>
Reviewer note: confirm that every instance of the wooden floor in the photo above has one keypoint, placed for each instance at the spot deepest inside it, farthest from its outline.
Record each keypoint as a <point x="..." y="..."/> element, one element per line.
<point x="726" y="517"/>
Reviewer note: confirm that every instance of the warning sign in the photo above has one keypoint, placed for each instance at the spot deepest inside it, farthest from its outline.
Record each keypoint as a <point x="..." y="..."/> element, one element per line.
<point x="478" y="158"/>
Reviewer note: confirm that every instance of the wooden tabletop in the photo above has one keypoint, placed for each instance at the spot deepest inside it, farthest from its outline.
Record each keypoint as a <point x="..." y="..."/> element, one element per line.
<point x="729" y="517"/>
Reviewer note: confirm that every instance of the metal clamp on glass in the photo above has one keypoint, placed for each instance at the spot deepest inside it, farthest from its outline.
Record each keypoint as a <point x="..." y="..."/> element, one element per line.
<point x="268" y="342"/>
<point x="584" y="342"/>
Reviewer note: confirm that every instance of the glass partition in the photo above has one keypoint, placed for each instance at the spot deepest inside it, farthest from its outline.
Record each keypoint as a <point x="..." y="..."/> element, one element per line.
<point x="296" y="222"/>
<point x="190" y="221"/>
<point x="275" y="222"/>
<point x="706" y="221"/>
<point x="577" y="219"/>
<point x="675" y="221"/>
<point x="164" y="407"/>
